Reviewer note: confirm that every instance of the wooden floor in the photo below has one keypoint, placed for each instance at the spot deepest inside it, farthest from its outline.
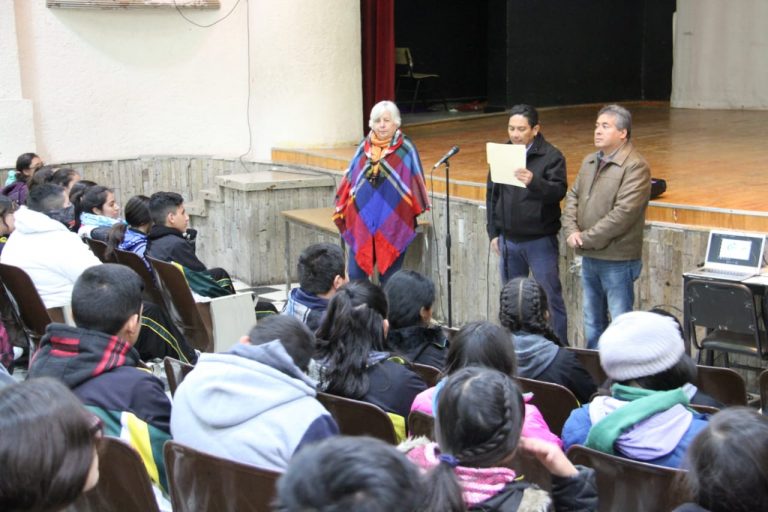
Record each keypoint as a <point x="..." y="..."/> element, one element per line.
<point x="715" y="161"/>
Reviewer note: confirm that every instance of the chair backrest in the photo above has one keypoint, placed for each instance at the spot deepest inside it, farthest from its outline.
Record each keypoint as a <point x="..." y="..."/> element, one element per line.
<point x="181" y="305"/>
<point x="722" y="384"/>
<point x="358" y="418"/>
<point x="722" y="306"/>
<point x="763" y="383"/>
<point x="429" y="374"/>
<point x="421" y="424"/>
<point x="531" y="470"/>
<point x="403" y="58"/>
<point x="99" y="248"/>
<point x="31" y="310"/>
<point x="590" y="360"/>
<point x="175" y="371"/>
<point x="200" y="481"/>
<point x="624" y="484"/>
<point x="136" y="263"/>
<point x="553" y="400"/>
<point x="123" y="482"/>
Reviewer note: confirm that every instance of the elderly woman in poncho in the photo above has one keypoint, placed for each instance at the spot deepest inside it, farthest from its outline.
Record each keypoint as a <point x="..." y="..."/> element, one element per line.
<point x="380" y="196"/>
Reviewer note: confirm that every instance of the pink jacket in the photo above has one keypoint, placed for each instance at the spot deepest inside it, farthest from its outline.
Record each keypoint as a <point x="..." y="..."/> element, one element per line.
<point x="534" y="424"/>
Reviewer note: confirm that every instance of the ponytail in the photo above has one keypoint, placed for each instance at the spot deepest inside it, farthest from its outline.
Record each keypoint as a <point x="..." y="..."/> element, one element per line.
<point x="352" y="327"/>
<point x="443" y="492"/>
<point x="115" y="237"/>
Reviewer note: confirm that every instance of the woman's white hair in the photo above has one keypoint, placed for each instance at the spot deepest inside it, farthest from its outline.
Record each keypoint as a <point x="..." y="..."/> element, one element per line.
<point x="384" y="106"/>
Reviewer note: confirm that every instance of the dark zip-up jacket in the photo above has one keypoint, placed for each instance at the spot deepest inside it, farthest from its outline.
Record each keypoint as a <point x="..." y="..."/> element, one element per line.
<point x="522" y="214"/>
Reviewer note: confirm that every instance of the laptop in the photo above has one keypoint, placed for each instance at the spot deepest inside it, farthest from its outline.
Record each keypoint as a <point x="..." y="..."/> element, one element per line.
<point x="731" y="256"/>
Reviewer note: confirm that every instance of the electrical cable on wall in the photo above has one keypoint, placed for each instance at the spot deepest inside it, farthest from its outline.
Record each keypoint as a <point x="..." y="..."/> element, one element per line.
<point x="248" y="56"/>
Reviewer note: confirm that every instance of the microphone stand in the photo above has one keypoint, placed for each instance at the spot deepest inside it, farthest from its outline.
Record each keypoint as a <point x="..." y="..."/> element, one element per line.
<point x="448" y="237"/>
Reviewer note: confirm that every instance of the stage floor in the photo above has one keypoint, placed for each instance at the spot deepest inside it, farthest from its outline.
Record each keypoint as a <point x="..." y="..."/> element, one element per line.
<point x="714" y="161"/>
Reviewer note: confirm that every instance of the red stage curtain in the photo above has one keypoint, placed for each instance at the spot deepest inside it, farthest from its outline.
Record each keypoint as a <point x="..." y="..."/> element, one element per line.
<point x="378" y="53"/>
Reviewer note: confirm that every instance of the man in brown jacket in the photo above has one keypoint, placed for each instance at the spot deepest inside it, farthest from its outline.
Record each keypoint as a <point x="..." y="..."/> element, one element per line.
<point x="604" y="218"/>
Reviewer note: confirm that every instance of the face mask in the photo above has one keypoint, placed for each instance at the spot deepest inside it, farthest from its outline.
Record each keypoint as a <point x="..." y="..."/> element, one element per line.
<point x="64" y="215"/>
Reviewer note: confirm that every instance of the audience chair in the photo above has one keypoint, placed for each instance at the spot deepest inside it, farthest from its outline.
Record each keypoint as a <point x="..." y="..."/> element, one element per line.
<point x="99" y="248"/>
<point x="590" y="360"/>
<point x="136" y="263"/>
<point x="30" y="309"/>
<point x="449" y="332"/>
<point x="421" y="424"/>
<point x="531" y="470"/>
<point x="404" y="63"/>
<point x="211" y="326"/>
<point x="123" y="482"/>
<point x="176" y="371"/>
<point x="429" y="374"/>
<point x="553" y="400"/>
<point x="763" y="383"/>
<point x="358" y="418"/>
<point x="722" y="384"/>
<point x="727" y="311"/>
<point x="191" y="320"/>
<point x="624" y="484"/>
<point x="704" y="409"/>
<point x="201" y="482"/>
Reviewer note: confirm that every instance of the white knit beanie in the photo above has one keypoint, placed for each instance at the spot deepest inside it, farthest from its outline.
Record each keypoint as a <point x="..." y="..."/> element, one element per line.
<point x="640" y="344"/>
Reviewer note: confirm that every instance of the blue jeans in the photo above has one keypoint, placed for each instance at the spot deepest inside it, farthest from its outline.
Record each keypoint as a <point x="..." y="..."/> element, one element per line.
<point x="539" y="257"/>
<point x="608" y="287"/>
<point x="355" y="272"/>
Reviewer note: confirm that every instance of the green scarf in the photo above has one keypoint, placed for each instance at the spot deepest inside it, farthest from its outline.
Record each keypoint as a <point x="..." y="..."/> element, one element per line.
<point x="643" y="403"/>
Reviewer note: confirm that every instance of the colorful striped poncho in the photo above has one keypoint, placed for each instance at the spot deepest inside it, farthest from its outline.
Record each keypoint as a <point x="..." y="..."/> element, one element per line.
<point x="377" y="215"/>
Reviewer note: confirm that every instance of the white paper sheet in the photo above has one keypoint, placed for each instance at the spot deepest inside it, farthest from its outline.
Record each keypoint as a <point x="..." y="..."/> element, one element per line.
<point x="504" y="160"/>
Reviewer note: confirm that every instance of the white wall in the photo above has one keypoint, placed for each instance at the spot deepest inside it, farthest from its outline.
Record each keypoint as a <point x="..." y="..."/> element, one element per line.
<point x="114" y="84"/>
<point x="17" y="134"/>
<point x="721" y="54"/>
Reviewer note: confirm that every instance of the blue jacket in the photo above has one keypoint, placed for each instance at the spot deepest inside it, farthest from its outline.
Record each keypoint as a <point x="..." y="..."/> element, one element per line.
<point x="579" y="423"/>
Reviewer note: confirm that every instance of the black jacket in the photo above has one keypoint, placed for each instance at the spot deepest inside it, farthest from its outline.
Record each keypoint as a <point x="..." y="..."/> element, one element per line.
<point x="575" y="494"/>
<point x="522" y="214"/>
<point x="169" y="244"/>
<point x="419" y="344"/>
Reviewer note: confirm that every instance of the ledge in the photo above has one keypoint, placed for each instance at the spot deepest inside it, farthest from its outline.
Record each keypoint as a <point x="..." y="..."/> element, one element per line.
<point x="272" y="180"/>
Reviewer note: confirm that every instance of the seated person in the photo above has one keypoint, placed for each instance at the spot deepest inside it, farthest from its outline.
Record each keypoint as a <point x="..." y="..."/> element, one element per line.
<point x="322" y="270"/>
<point x="638" y="421"/>
<point x="131" y="236"/>
<point x="97" y="361"/>
<point x="7" y="224"/>
<point x="254" y="404"/>
<point x="44" y="248"/>
<point x="350" y="473"/>
<point x="16" y="188"/>
<point x="479" y="422"/>
<point x="411" y="333"/>
<point x="351" y="358"/>
<point x="524" y="312"/>
<point x="168" y="242"/>
<point x="66" y="177"/>
<point x="486" y="345"/>
<point x="96" y="211"/>
<point x="48" y="446"/>
<point x="727" y="464"/>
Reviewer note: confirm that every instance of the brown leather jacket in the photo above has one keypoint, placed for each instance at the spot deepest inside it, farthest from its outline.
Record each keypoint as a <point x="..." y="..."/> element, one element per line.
<point x="608" y="207"/>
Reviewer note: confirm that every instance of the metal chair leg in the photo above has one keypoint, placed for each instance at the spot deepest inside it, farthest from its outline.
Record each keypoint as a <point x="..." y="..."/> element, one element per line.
<point x="415" y="95"/>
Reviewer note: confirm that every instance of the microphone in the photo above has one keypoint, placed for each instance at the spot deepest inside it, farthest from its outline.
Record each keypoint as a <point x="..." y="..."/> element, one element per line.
<point x="449" y="154"/>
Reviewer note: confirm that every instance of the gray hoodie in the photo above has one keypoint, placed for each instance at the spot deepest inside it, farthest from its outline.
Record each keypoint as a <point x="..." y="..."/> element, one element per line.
<point x="534" y="354"/>
<point x="251" y="404"/>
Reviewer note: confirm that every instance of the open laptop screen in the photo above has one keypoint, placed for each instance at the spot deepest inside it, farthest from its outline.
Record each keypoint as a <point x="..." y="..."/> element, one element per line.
<point x="735" y="249"/>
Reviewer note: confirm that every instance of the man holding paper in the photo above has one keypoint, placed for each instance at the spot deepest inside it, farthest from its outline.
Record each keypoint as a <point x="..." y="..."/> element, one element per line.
<point x="523" y="209"/>
<point x="604" y="219"/>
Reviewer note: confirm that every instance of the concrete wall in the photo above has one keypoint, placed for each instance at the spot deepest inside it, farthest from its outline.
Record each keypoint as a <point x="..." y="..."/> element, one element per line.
<point x="109" y="84"/>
